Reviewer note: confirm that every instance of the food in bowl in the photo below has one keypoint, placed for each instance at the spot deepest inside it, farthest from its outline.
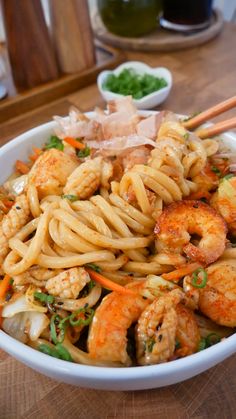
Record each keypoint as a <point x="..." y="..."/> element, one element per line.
<point x="115" y="242"/>
<point x="130" y="83"/>
<point x="148" y="76"/>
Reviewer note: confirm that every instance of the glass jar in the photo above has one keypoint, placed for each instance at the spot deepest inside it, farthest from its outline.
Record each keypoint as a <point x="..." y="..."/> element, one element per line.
<point x="129" y="17"/>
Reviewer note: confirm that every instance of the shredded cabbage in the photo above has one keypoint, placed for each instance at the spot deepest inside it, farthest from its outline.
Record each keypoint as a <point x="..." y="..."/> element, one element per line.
<point x="26" y="325"/>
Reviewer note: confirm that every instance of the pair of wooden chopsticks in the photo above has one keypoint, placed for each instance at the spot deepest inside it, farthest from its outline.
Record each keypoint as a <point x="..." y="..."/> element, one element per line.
<point x="217" y="128"/>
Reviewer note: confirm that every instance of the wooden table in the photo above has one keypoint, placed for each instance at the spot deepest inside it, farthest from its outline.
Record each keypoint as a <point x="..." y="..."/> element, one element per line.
<point x="202" y="77"/>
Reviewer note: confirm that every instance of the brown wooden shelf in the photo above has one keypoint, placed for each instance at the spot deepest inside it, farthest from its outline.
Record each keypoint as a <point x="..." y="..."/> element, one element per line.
<point x="17" y="103"/>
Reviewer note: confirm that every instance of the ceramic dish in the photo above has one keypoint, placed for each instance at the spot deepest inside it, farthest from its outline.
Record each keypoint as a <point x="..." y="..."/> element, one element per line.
<point x="147" y="102"/>
<point x="134" y="378"/>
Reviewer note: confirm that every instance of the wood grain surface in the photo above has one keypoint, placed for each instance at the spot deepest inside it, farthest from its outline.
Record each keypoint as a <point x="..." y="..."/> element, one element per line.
<point x="202" y="77"/>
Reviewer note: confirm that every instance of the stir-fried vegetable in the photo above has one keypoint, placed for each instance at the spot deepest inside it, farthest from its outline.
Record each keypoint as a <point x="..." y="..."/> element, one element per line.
<point x="22" y="167"/>
<point x="199" y="281"/>
<point x="4" y="285"/>
<point x="179" y="273"/>
<point x="59" y="351"/>
<point x="107" y="283"/>
<point x="74" y="142"/>
<point x="54" y="142"/>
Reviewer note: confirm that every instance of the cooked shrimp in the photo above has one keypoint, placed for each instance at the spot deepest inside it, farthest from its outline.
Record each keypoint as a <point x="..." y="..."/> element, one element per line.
<point x="156" y="329"/>
<point x="107" y="339"/>
<point x="217" y="300"/>
<point x="224" y="201"/>
<point x="206" y="180"/>
<point x="181" y="219"/>
<point x="187" y="332"/>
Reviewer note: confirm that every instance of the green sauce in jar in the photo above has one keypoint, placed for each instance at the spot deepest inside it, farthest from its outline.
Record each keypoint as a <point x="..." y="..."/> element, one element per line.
<point x="129" y="17"/>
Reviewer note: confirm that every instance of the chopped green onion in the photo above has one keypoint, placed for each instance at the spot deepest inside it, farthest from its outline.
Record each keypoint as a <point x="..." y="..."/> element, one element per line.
<point x="71" y="198"/>
<point x="129" y="82"/>
<point x="88" y="315"/>
<point x="212" y="339"/>
<point x="11" y="282"/>
<point x="63" y="353"/>
<point x="46" y="349"/>
<point x="215" y="170"/>
<point x="44" y="298"/>
<point x="59" y="351"/>
<point x="186" y="136"/>
<point x="94" y="267"/>
<point x="149" y="344"/>
<point x="91" y="285"/>
<point x="177" y="344"/>
<point x="229" y="176"/>
<point x="83" y="153"/>
<point x="55" y="323"/>
<point x="195" y="278"/>
<point x="54" y="142"/>
<point x="202" y="344"/>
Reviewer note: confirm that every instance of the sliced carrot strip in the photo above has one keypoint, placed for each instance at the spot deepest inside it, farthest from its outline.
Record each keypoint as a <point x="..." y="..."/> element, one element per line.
<point x="22" y="167"/>
<point x="107" y="283"/>
<point x="7" y="203"/>
<point x="37" y="151"/>
<point x="4" y="285"/>
<point x="179" y="273"/>
<point x="74" y="143"/>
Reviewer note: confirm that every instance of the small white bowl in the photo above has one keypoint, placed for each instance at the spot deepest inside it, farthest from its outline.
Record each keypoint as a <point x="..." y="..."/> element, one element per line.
<point x="147" y="102"/>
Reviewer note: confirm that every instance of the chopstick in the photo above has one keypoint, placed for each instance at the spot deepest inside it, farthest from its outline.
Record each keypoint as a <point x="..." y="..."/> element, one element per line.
<point x="211" y="113"/>
<point x="216" y="128"/>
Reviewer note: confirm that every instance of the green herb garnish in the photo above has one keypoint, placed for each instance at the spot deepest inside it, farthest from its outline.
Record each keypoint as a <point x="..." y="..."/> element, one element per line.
<point x="202" y="344"/>
<point x="212" y="339"/>
<point x="227" y="177"/>
<point x="215" y="170"/>
<point x="195" y="279"/>
<point x="94" y="267"/>
<point x="177" y="344"/>
<point x="54" y="142"/>
<point x="129" y="82"/>
<point x="149" y="344"/>
<point x="46" y="349"/>
<point x="63" y="353"/>
<point x="57" y="328"/>
<point x="44" y="298"/>
<point x="186" y="136"/>
<point x="11" y="282"/>
<point x="71" y="198"/>
<point x="91" y="285"/>
<point x="59" y="351"/>
<point x="83" y="153"/>
<point x="85" y="320"/>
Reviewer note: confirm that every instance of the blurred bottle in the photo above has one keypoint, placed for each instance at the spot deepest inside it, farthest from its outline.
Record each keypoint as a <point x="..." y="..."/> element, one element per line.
<point x="72" y="34"/>
<point x="186" y="15"/>
<point x="30" y="51"/>
<point x="129" y="17"/>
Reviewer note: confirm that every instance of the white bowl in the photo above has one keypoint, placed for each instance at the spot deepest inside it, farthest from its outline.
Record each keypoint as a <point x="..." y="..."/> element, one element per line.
<point x="134" y="378"/>
<point x="147" y="102"/>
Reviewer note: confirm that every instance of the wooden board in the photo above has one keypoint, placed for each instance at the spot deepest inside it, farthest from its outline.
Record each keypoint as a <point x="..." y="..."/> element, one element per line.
<point x="18" y="103"/>
<point x="160" y="39"/>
